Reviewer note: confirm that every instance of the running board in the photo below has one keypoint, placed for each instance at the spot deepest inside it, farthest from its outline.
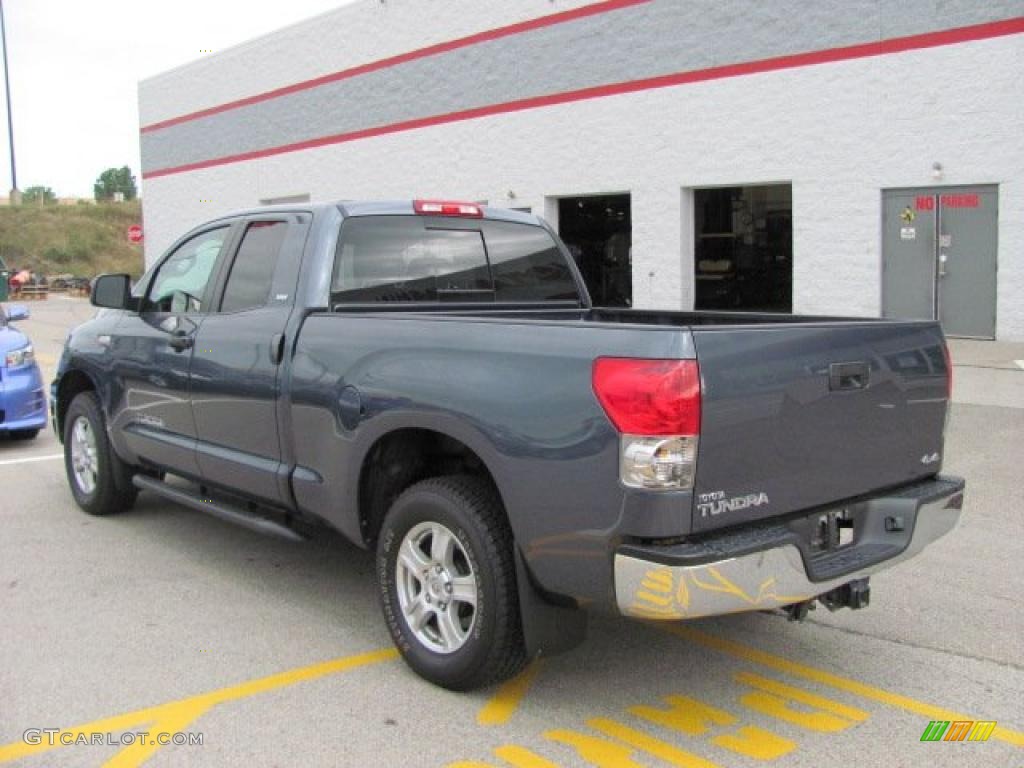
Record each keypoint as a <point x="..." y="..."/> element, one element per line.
<point x="221" y="511"/>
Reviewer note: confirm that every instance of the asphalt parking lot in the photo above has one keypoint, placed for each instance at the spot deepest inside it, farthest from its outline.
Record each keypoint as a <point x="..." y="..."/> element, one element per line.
<point x="166" y="620"/>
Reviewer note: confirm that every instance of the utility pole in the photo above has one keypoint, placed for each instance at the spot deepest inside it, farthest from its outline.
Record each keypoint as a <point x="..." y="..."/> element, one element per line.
<point x="15" y="196"/>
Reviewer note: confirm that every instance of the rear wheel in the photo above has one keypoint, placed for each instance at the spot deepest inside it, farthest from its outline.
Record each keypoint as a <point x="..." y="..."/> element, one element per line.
<point x="447" y="578"/>
<point x="99" y="480"/>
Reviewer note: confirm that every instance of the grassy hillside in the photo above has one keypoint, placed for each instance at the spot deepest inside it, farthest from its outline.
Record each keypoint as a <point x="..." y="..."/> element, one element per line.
<point x="83" y="240"/>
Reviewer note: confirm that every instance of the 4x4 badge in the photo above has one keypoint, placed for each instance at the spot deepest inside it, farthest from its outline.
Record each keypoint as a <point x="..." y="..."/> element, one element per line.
<point x="930" y="458"/>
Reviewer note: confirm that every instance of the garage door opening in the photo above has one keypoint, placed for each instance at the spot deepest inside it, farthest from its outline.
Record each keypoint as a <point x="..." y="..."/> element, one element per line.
<point x="598" y="232"/>
<point x="743" y="252"/>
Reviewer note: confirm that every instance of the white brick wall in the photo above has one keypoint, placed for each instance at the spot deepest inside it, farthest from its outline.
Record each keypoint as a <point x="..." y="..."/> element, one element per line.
<point x="298" y="52"/>
<point x="840" y="133"/>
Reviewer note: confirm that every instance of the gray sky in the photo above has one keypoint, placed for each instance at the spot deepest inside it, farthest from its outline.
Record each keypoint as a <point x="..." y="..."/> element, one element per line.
<point x="75" y="68"/>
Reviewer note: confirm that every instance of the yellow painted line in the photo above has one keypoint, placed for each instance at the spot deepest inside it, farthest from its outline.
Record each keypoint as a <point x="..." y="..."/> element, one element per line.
<point x="755" y="656"/>
<point x="500" y="708"/>
<point x="174" y="720"/>
<point x="184" y="711"/>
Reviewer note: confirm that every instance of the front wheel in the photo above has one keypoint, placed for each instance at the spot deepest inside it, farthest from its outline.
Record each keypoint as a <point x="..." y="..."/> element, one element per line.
<point x="447" y="577"/>
<point x="99" y="480"/>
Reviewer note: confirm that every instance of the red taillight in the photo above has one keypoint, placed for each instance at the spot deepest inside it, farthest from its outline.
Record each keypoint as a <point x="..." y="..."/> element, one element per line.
<point x="649" y="397"/>
<point x="446" y="208"/>
<point x="949" y="372"/>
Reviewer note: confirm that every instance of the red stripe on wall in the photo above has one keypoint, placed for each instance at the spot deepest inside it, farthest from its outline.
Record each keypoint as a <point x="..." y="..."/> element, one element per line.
<point x="847" y="53"/>
<point x="422" y="53"/>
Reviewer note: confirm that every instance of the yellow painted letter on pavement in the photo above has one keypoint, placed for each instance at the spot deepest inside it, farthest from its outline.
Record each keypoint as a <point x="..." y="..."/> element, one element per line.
<point x="696" y="718"/>
<point x="598" y="752"/>
<point x="773" y="698"/>
<point x="652" y="746"/>
<point x="684" y="714"/>
<point x="755" y="742"/>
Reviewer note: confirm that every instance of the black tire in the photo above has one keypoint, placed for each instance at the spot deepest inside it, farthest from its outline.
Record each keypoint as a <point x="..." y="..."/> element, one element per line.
<point x="469" y="508"/>
<point x="24" y="434"/>
<point x="113" y="491"/>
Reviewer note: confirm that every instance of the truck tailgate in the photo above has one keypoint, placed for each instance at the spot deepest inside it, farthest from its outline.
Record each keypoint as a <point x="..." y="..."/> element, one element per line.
<point x="800" y="416"/>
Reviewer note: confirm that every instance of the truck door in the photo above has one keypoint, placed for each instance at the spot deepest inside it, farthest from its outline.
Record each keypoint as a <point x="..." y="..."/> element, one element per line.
<point x="235" y="375"/>
<point x="150" y="354"/>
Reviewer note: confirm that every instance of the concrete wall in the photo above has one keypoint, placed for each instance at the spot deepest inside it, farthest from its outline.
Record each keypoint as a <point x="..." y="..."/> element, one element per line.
<point x="839" y="126"/>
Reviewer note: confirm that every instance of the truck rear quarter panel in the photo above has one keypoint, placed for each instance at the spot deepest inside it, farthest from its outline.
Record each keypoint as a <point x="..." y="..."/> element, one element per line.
<point x="517" y="393"/>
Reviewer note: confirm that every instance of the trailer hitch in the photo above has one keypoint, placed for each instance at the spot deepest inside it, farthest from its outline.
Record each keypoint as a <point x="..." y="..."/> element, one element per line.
<point x="855" y="594"/>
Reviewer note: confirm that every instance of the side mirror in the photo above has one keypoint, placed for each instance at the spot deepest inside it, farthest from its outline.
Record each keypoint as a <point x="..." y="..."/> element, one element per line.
<point x="16" y="312"/>
<point x="111" y="291"/>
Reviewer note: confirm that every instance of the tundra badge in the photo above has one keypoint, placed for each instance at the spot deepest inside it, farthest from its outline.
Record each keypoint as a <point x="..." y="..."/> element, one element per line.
<point x="715" y="503"/>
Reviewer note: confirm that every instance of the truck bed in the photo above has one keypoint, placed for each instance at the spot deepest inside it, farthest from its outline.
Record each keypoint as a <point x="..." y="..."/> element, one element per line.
<point x="782" y="429"/>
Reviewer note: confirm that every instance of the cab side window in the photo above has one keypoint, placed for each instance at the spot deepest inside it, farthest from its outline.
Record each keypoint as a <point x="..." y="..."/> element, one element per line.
<point x="252" y="271"/>
<point x="181" y="284"/>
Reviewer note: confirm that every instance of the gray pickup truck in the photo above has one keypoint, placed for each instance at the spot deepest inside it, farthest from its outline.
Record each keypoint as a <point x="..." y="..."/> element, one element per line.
<point x="431" y="380"/>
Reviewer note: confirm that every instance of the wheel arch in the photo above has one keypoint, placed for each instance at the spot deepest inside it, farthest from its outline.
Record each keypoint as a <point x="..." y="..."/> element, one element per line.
<point x="402" y="456"/>
<point x="72" y="383"/>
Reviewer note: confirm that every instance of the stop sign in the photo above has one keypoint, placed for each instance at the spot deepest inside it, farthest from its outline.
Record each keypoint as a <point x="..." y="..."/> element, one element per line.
<point x="135" y="233"/>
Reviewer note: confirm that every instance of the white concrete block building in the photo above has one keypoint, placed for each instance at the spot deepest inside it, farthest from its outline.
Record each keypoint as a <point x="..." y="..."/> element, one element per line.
<point x="858" y="157"/>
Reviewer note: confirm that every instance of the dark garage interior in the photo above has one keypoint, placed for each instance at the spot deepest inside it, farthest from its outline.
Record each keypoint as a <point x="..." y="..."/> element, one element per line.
<point x="597" y="231"/>
<point x="743" y="252"/>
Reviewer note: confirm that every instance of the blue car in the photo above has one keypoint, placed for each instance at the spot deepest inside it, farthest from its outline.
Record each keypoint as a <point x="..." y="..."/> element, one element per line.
<point x="22" y="401"/>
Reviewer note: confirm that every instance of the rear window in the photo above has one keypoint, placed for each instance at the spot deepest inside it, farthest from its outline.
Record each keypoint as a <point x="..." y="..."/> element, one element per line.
<point x="417" y="259"/>
<point x="526" y="264"/>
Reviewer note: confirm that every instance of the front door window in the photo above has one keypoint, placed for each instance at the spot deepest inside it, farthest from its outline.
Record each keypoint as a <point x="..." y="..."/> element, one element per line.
<point x="181" y="285"/>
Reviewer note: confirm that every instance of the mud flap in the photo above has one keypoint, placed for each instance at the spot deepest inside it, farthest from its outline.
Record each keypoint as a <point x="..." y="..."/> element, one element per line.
<point x="548" y="628"/>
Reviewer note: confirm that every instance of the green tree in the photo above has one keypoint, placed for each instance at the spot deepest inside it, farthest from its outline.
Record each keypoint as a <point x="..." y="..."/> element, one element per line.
<point x="38" y="196"/>
<point x="113" y="181"/>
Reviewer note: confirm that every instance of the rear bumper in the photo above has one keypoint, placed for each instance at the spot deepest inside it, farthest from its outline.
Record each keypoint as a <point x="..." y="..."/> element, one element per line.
<point x="768" y="565"/>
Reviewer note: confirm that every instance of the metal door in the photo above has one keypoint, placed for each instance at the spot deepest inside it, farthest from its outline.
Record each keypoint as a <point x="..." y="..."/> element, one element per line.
<point x="968" y="223"/>
<point x="908" y="256"/>
<point x="238" y="354"/>
<point x="939" y="257"/>
<point x="151" y="352"/>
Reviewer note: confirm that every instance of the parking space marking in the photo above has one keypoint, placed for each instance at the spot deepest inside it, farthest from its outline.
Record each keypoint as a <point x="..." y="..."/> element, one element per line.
<point x="176" y="715"/>
<point x="500" y="708"/>
<point x="174" y="720"/>
<point x="1020" y="363"/>
<point x="773" y="698"/>
<point x="618" y="744"/>
<point x="695" y="718"/>
<point x="517" y="757"/>
<point x="29" y="459"/>
<point x="755" y="656"/>
<point x="647" y="744"/>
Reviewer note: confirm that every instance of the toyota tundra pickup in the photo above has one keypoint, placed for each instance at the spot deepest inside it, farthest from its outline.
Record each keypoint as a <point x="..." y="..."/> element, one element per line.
<point x="431" y="380"/>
